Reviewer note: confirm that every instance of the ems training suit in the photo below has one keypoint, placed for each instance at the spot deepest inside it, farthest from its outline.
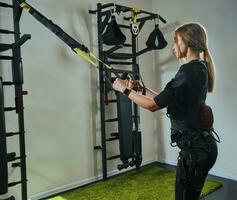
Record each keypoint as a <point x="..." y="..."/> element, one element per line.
<point x="183" y="96"/>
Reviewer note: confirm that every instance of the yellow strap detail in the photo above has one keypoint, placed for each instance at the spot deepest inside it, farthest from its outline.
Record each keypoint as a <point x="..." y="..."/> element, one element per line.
<point x="93" y="56"/>
<point x="135" y="11"/>
<point x="85" y="56"/>
<point x="25" y="6"/>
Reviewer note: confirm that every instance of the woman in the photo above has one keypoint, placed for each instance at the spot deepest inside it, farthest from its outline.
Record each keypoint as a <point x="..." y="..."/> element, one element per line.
<point x="184" y="96"/>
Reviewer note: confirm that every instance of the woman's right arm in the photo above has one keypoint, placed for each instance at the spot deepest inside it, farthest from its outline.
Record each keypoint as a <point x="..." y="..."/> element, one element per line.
<point x="151" y="93"/>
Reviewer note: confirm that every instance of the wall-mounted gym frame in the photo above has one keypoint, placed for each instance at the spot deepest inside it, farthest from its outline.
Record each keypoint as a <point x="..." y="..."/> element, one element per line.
<point x="128" y="119"/>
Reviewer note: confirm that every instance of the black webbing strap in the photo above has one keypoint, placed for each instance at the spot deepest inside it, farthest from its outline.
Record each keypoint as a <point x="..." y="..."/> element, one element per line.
<point x="57" y="31"/>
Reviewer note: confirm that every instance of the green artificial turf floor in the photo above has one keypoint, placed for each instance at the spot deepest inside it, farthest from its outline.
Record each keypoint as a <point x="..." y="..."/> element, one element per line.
<point x="153" y="183"/>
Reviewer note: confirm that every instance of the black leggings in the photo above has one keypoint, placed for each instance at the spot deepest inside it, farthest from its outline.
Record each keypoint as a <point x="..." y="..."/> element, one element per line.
<point x="192" y="169"/>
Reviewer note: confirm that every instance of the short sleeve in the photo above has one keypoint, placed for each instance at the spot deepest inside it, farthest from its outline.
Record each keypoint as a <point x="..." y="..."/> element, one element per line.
<point x="180" y="79"/>
<point x="165" y="96"/>
<point x="168" y="94"/>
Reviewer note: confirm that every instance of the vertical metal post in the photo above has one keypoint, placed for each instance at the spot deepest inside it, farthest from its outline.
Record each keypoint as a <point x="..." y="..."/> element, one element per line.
<point x="18" y="80"/>
<point x="102" y="92"/>
<point x="135" y="69"/>
<point x="3" y="146"/>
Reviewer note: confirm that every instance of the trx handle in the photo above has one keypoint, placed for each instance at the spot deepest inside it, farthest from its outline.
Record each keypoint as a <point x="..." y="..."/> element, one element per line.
<point x="78" y="48"/>
<point x="125" y="74"/>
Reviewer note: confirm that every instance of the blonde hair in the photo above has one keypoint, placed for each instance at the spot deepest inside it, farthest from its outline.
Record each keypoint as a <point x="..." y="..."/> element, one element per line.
<point x="195" y="37"/>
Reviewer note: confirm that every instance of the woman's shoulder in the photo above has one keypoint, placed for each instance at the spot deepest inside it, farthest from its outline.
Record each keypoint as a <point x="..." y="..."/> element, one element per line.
<point x="197" y="65"/>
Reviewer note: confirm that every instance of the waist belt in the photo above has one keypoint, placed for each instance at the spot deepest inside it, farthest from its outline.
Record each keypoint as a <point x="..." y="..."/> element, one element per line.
<point x="180" y="125"/>
<point x="183" y="126"/>
<point x="191" y="139"/>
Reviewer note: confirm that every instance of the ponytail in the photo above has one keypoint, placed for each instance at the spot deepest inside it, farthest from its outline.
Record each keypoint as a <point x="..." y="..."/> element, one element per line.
<point x="211" y="71"/>
<point x="196" y="38"/>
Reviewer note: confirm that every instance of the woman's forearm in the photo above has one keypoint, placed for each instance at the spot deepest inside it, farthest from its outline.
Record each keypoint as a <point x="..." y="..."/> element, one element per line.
<point x="151" y="93"/>
<point x="146" y="102"/>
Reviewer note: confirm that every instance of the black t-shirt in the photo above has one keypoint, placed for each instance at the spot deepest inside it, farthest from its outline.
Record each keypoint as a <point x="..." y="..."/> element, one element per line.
<point x="186" y="92"/>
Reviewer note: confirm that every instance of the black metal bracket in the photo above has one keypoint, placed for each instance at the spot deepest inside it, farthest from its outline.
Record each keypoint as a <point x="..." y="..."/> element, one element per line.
<point x="20" y="42"/>
<point x="5" y="5"/>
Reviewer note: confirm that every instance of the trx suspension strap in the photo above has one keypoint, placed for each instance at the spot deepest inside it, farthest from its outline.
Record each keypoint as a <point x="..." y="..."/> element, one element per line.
<point x="78" y="48"/>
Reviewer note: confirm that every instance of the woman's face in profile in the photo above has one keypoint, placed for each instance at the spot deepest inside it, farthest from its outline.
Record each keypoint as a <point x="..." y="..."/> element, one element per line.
<point x="179" y="48"/>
